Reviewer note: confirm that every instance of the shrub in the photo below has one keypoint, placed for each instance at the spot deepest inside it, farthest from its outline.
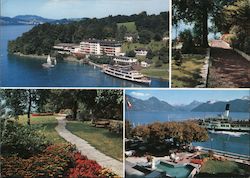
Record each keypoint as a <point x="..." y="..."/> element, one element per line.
<point x="84" y="167"/>
<point x="158" y="63"/>
<point x="21" y="140"/>
<point x="188" y="42"/>
<point x="107" y="173"/>
<point x="54" y="161"/>
<point x="247" y="45"/>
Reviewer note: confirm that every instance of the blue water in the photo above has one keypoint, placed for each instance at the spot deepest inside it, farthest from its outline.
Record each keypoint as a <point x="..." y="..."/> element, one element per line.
<point x="144" y="117"/>
<point x="235" y="143"/>
<point x="18" y="71"/>
<point x="177" y="172"/>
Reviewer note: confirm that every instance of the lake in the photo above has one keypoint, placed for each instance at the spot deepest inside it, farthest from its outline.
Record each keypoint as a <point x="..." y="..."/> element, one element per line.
<point x="224" y="141"/>
<point x="18" y="71"/>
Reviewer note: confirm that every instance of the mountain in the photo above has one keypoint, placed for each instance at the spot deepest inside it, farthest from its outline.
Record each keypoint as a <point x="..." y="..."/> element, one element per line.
<point x="237" y="105"/>
<point x="151" y="104"/>
<point x="188" y="107"/>
<point x="34" y="20"/>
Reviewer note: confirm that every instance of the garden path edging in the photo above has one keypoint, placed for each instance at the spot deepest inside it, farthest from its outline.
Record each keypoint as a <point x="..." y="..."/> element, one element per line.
<point x="86" y="149"/>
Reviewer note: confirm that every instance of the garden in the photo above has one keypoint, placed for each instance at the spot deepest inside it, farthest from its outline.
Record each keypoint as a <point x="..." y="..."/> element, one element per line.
<point x="223" y="26"/>
<point x="31" y="146"/>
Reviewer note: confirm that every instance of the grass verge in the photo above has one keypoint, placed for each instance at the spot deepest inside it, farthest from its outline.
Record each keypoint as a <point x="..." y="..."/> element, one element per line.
<point x="217" y="167"/>
<point x="103" y="140"/>
<point x="46" y="125"/>
<point x="188" y="74"/>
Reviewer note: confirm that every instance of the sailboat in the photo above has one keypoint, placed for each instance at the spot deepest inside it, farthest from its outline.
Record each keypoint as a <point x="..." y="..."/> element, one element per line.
<point x="49" y="63"/>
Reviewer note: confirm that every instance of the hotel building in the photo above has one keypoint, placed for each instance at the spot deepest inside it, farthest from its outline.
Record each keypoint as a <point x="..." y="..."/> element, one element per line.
<point x="100" y="47"/>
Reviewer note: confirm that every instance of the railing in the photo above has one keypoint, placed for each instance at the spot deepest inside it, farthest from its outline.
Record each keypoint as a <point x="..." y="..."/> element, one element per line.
<point x="229" y="154"/>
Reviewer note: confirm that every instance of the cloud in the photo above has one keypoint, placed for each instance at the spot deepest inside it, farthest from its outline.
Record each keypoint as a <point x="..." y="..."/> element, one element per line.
<point x="140" y="95"/>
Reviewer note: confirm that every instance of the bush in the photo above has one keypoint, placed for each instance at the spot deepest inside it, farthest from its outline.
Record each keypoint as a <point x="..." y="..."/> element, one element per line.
<point x="158" y="63"/>
<point x="54" y="161"/>
<point x="247" y="45"/>
<point x="188" y="43"/>
<point x="84" y="167"/>
<point x="21" y="140"/>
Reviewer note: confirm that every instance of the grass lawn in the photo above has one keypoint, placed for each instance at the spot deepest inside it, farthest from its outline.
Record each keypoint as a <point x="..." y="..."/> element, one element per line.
<point x="188" y="75"/>
<point x="215" y="167"/>
<point x="153" y="45"/>
<point x="160" y="72"/>
<point x="103" y="140"/>
<point x="46" y="125"/>
<point x="131" y="27"/>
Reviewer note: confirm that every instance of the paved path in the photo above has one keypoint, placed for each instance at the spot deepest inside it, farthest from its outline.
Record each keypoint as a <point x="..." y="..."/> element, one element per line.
<point x="86" y="149"/>
<point x="229" y="69"/>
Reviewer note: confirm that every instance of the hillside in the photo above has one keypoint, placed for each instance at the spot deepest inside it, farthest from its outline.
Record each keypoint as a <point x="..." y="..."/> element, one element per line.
<point x="32" y="20"/>
<point x="154" y="104"/>
<point x="238" y="105"/>
<point x="42" y="37"/>
<point x="151" y="104"/>
<point x="131" y="27"/>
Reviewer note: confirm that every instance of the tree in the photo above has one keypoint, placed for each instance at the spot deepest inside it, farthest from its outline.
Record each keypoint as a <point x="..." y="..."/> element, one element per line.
<point x="131" y="53"/>
<point x="163" y="55"/>
<point x="122" y="30"/>
<point x="178" y="58"/>
<point x="150" y="54"/>
<point x="157" y="37"/>
<point x="199" y="12"/>
<point x="20" y="101"/>
<point x="141" y="131"/>
<point x="188" y="43"/>
<point x="144" y="37"/>
<point x="109" y="103"/>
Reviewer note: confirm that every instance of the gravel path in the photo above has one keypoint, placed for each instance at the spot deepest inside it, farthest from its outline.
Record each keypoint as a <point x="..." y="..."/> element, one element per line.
<point x="86" y="149"/>
<point x="229" y="69"/>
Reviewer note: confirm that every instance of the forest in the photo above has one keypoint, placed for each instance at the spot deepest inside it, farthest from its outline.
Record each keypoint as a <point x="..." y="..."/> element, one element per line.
<point x="41" y="38"/>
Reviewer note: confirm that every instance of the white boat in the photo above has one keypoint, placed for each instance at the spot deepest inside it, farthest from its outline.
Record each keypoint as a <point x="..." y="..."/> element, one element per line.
<point x="49" y="63"/>
<point x="126" y="74"/>
<point x="224" y="123"/>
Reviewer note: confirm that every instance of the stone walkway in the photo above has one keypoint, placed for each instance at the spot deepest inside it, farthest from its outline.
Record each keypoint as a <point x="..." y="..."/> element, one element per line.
<point x="229" y="69"/>
<point x="86" y="149"/>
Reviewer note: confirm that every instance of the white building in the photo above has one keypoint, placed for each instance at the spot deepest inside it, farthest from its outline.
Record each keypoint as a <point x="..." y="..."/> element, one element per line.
<point x="141" y="52"/>
<point x="66" y="48"/>
<point x="165" y="38"/>
<point x="128" y="38"/>
<point x="100" y="47"/>
<point x="125" y="60"/>
<point x="144" y="64"/>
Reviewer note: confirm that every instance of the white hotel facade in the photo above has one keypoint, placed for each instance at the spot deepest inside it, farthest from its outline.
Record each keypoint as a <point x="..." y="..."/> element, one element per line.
<point x="100" y="47"/>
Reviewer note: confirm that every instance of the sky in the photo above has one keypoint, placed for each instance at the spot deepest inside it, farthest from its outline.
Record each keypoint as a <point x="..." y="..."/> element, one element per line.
<point x="58" y="9"/>
<point x="179" y="97"/>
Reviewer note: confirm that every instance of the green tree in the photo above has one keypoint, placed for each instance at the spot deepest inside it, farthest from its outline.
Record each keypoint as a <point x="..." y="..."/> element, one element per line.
<point x="20" y="101"/>
<point x="145" y="37"/>
<point x="157" y="37"/>
<point x="188" y="43"/>
<point x="131" y="53"/>
<point x="150" y="54"/>
<point x="199" y="12"/>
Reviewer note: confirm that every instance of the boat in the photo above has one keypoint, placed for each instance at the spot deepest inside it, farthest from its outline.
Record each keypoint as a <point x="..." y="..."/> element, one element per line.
<point x="126" y="73"/>
<point x="225" y="123"/>
<point x="49" y="63"/>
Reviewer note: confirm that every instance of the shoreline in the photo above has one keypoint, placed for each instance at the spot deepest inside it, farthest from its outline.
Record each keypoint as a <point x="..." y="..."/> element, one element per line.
<point x="75" y="60"/>
<point x="34" y="56"/>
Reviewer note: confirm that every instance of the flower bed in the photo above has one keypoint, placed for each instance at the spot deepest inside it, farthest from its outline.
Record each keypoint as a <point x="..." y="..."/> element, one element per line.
<point x="55" y="161"/>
